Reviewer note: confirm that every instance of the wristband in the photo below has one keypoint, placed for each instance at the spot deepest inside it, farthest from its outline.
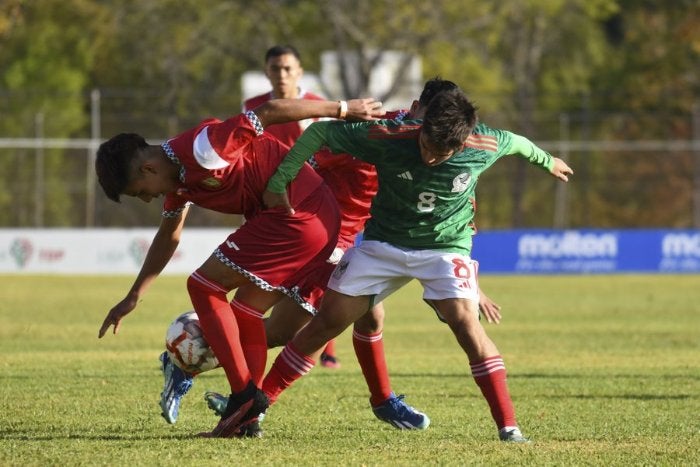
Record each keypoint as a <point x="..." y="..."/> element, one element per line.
<point x="343" y="110"/>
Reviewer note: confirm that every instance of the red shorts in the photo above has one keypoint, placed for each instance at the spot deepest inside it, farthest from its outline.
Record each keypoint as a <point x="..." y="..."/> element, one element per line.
<point x="277" y="251"/>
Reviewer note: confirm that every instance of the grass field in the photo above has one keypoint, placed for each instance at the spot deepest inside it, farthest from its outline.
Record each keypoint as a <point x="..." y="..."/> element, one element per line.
<point x="603" y="370"/>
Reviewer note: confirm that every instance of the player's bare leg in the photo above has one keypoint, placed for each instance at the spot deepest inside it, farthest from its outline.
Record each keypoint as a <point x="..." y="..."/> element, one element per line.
<point x="337" y="312"/>
<point x="285" y="320"/>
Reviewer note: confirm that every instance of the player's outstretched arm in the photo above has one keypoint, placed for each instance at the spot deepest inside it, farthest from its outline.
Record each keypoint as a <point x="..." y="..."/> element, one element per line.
<point x="523" y="147"/>
<point x="287" y="110"/>
<point x="164" y="244"/>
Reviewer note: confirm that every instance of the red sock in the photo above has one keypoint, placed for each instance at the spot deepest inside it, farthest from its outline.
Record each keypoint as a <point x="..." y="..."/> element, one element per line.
<point x="289" y="366"/>
<point x="369" y="349"/>
<point x="330" y="348"/>
<point x="220" y="328"/>
<point x="253" y="341"/>
<point x="490" y="376"/>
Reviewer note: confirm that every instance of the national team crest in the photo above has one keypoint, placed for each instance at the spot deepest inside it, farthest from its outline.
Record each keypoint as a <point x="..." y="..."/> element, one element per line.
<point x="211" y="182"/>
<point x="461" y="182"/>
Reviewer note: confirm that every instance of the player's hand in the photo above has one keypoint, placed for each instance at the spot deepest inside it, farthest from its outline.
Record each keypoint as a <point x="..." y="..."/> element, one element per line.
<point x="115" y="315"/>
<point x="273" y="200"/>
<point x="364" y="109"/>
<point x="490" y="309"/>
<point x="561" y="170"/>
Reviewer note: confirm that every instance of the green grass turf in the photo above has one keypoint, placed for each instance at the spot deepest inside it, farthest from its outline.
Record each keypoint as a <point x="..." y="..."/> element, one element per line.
<point x="603" y="370"/>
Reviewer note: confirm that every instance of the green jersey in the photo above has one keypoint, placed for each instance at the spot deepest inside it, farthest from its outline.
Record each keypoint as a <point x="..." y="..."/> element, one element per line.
<point x="417" y="207"/>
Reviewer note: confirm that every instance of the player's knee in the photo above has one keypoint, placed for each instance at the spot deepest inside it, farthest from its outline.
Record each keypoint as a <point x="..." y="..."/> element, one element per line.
<point x="370" y="323"/>
<point x="276" y="338"/>
<point x="193" y="284"/>
<point x="198" y="285"/>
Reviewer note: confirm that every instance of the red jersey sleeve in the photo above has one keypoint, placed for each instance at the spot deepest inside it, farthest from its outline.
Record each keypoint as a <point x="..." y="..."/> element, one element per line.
<point x="218" y="144"/>
<point x="173" y="205"/>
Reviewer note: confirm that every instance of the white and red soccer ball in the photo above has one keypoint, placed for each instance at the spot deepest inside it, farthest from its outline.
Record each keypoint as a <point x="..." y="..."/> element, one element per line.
<point x="187" y="347"/>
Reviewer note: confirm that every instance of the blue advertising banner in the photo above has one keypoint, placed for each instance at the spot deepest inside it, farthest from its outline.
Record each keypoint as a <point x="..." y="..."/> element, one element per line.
<point x="587" y="251"/>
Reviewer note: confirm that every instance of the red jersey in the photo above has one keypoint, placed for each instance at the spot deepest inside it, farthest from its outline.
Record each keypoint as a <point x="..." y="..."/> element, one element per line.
<point x="225" y="166"/>
<point x="354" y="184"/>
<point x="285" y="132"/>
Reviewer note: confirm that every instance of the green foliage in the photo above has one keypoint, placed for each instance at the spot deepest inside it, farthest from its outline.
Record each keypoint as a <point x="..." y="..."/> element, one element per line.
<point x="620" y="69"/>
<point x="598" y="377"/>
<point x="46" y="60"/>
<point x="657" y="56"/>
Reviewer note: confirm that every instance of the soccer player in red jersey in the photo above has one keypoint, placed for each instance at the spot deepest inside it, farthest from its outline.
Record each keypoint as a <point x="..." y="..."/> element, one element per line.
<point x="224" y="166"/>
<point x="284" y="71"/>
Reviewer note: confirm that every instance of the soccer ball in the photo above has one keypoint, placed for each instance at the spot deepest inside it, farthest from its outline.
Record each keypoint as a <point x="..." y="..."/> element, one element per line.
<point x="187" y="347"/>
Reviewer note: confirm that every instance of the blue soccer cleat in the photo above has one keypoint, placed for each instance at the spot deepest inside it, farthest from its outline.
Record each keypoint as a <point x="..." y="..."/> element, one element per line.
<point x="216" y="402"/>
<point x="175" y="386"/>
<point x="401" y="415"/>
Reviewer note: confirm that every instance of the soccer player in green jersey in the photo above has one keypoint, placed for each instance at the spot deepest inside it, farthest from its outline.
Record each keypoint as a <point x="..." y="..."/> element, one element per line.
<point x="420" y="229"/>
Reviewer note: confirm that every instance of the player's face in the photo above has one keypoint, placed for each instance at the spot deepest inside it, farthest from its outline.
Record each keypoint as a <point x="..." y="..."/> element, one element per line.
<point x="430" y="154"/>
<point x="147" y="182"/>
<point x="284" y="73"/>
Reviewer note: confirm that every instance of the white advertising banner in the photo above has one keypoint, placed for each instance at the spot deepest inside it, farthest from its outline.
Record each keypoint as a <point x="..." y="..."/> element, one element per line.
<point x="99" y="251"/>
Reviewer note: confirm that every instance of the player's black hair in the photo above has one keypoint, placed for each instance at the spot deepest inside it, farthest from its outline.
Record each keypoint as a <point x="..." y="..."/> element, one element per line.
<point x="449" y="119"/>
<point x="433" y="87"/>
<point x="277" y="50"/>
<point x="114" y="158"/>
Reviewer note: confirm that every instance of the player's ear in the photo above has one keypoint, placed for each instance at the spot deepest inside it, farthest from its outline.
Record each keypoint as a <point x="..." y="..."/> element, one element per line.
<point x="414" y="108"/>
<point x="147" y="167"/>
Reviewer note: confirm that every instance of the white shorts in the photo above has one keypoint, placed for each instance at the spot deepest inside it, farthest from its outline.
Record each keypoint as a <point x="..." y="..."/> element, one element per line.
<point x="379" y="269"/>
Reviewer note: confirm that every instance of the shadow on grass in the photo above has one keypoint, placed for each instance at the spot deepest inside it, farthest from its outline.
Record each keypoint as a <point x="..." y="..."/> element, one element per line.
<point x="654" y="376"/>
<point x="515" y="375"/>
<point x="639" y="397"/>
<point x="572" y="376"/>
<point x="24" y="435"/>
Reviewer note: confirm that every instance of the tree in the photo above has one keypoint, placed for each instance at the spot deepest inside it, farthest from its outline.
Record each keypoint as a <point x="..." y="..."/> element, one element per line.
<point x="46" y="53"/>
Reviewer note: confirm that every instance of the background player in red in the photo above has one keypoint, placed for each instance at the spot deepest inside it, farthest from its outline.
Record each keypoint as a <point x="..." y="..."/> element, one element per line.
<point x="284" y="71"/>
<point x="224" y="166"/>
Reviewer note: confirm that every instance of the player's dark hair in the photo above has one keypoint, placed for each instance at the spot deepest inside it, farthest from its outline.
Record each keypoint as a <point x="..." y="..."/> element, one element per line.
<point x="114" y="158"/>
<point x="449" y="120"/>
<point x="277" y="50"/>
<point x="433" y="87"/>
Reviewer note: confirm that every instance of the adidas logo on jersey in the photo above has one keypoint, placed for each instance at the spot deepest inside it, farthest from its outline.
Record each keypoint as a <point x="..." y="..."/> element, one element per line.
<point x="405" y="175"/>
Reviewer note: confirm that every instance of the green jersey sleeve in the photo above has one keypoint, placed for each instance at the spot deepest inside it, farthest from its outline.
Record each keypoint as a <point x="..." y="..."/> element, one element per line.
<point x="305" y="146"/>
<point x="338" y="136"/>
<point x="520" y="145"/>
